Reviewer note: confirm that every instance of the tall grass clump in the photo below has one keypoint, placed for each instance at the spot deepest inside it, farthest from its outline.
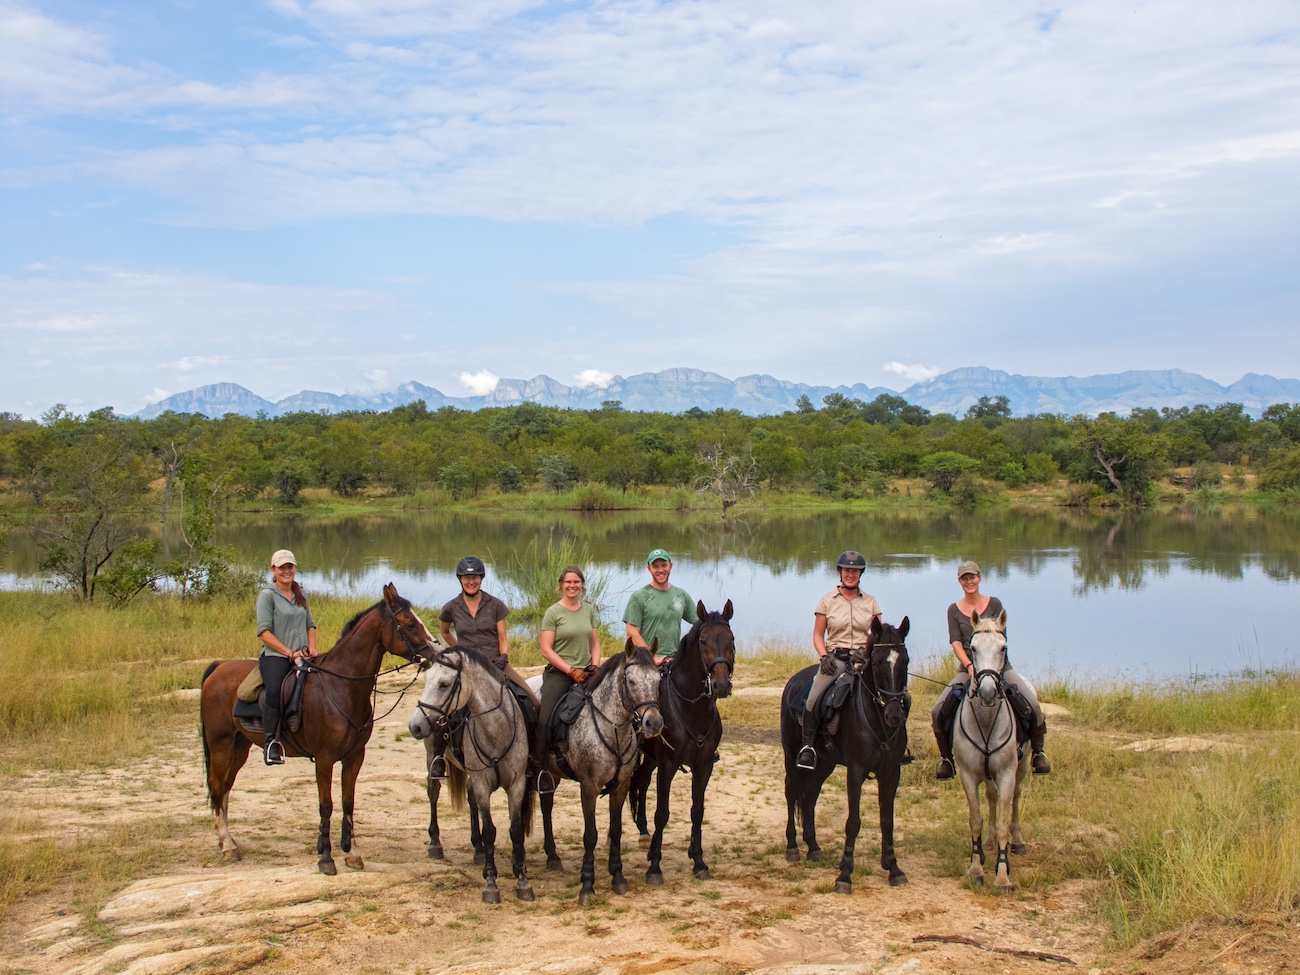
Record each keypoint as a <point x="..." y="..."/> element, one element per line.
<point x="534" y="577"/>
<point x="1220" y="844"/>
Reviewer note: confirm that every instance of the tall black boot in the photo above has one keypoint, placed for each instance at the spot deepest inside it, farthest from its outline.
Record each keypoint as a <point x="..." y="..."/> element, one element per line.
<point x="947" y="770"/>
<point x="438" y="765"/>
<point x="807" y="754"/>
<point x="1039" y="762"/>
<point x="272" y="750"/>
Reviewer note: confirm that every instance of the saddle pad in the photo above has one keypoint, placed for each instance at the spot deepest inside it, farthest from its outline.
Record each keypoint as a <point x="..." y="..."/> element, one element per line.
<point x="251" y="685"/>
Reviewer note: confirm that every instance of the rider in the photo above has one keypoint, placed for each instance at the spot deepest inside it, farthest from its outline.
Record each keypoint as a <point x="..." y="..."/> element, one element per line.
<point x="570" y="645"/>
<point x="475" y="619"/>
<point x="656" y="610"/>
<point x="841" y="623"/>
<point x="288" y="632"/>
<point x="960" y="630"/>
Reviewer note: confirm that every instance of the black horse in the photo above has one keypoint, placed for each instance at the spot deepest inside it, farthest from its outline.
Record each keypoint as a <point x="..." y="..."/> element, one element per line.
<point x="700" y="674"/>
<point x="871" y="740"/>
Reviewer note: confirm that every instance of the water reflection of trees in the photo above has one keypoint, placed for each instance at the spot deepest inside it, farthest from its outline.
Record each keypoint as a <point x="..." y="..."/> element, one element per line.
<point x="1106" y="550"/>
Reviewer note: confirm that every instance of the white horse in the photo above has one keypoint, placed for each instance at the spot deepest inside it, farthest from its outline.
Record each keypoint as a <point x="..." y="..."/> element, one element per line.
<point x="985" y="751"/>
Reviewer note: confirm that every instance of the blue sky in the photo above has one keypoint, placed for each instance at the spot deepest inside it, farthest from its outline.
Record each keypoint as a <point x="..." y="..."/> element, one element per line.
<point x="344" y="195"/>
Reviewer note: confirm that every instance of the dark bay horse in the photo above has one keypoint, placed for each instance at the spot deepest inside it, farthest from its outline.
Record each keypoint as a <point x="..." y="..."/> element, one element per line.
<point x="493" y="751"/>
<point x="870" y="740"/>
<point x="337" y="717"/>
<point x="622" y="701"/>
<point x="688" y="695"/>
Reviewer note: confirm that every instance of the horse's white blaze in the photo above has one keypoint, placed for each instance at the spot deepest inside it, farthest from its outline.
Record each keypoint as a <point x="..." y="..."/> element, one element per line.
<point x="893" y="658"/>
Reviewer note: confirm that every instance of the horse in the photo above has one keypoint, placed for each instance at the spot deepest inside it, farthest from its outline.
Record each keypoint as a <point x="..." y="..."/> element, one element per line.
<point x="871" y="740"/>
<point x="337" y="717"/>
<point x="621" y="700"/>
<point x="494" y="747"/>
<point x="985" y="751"/>
<point x="700" y="674"/>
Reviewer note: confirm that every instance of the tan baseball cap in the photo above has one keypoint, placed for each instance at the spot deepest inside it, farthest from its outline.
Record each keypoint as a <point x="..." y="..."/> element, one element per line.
<point x="969" y="568"/>
<point x="282" y="557"/>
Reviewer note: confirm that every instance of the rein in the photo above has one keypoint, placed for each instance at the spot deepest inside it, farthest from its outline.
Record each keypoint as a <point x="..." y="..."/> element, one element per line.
<point x="881" y="698"/>
<point x="983" y="745"/>
<point x="464" y="717"/>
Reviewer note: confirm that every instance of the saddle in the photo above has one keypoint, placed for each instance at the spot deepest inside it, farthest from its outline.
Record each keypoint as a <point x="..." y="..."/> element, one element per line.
<point x="565" y="713"/>
<point x="828" y="708"/>
<point x="249" y="713"/>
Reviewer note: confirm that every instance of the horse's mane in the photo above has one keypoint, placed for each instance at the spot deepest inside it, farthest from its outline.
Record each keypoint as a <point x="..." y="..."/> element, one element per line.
<point x="610" y="665"/>
<point x="483" y="660"/>
<point x="347" y="627"/>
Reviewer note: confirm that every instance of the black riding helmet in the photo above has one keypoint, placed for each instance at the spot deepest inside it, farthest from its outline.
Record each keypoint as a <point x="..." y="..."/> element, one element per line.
<point x="470" y="565"/>
<point x="851" y="560"/>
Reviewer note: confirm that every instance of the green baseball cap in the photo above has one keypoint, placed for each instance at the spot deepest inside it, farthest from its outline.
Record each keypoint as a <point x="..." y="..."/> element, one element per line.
<point x="658" y="554"/>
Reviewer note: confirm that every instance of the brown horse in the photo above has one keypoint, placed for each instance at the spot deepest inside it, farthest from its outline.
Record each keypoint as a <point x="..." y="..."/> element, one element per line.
<point x="337" y="717"/>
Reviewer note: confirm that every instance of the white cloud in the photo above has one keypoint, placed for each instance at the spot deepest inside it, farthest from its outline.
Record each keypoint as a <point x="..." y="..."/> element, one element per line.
<point x="479" y="383"/>
<point x="590" y="378"/>
<point x="913" y="374"/>
<point x="155" y="395"/>
<point x="378" y="378"/>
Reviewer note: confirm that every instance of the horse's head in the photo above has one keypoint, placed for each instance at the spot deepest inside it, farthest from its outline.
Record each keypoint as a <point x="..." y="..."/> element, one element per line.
<point x="717" y="648"/>
<point x="407" y="635"/>
<point x="444" y="693"/>
<point x="640" y="688"/>
<point x="887" y="665"/>
<point x="988" y="652"/>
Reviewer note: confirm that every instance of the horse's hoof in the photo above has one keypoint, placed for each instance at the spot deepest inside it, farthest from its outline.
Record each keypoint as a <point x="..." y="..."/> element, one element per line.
<point x="525" y="894"/>
<point x="1006" y="888"/>
<point x="327" y="868"/>
<point x="491" y="895"/>
<point x="815" y="856"/>
<point x="232" y="855"/>
<point x="654" y="876"/>
<point x="435" y="852"/>
<point x="643" y="840"/>
<point x="898" y="879"/>
<point x="354" y="863"/>
<point x="619" y="887"/>
<point x="703" y="874"/>
<point x="976" y="880"/>
<point x="792" y="855"/>
<point x="843" y="887"/>
<point x="555" y="863"/>
<point x="1019" y="849"/>
<point x="584" y="897"/>
<point x="478" y="858"/>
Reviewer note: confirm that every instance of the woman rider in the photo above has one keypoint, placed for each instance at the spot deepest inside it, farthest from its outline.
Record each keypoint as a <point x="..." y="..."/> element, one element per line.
<point x="288" y="632"/>
<point x="475" y="619"/>
<point x="960" y="630"/>
<point x="841" y="623"/>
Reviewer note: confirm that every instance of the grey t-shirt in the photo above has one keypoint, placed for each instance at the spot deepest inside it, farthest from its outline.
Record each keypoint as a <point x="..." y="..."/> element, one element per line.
<point x="960" y="627"/>
<point x="287" y="621"/>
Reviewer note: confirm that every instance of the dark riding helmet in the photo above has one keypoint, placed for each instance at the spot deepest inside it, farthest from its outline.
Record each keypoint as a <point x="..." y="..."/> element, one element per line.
<point x="851" y="560"/>
<point x="470" y="565"/>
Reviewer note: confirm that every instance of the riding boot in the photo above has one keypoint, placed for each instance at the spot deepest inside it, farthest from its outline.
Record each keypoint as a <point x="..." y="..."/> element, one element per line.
<point x="1039" y="763"/>
<point x="438" y="764"/>
<point x="272" y="750"/>
<point x="807" y="754"/>
<point x="947" y="770"/>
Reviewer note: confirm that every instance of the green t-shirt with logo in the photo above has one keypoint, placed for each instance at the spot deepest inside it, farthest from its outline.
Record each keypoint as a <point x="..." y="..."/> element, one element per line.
<point x="659" y="615"/>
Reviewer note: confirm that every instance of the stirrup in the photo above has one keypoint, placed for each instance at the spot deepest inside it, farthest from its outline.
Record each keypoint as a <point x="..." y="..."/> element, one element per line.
<point x="438" y="768"/>
<point x="1040" y="764"/>
<point x="907" y="758"/>
<point x="946" y="770"/>
<point x="273" y="752"/>
<point x="807" y="758"/>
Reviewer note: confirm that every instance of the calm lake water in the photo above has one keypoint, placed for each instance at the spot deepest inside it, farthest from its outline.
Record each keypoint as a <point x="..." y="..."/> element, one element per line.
<point x="1134" y="595"/>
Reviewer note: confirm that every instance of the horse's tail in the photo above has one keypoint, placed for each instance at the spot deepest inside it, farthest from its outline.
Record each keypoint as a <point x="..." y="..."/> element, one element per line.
<point x="456" y="782"/>
<point x="203" y="737"/>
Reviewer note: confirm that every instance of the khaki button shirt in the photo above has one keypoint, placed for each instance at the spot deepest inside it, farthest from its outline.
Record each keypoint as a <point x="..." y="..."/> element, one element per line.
<point x="848" y="621"/>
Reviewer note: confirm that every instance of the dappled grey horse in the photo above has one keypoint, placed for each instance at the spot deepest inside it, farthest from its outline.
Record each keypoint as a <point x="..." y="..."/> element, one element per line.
<point x="600" y="752"/>
<point x="494" y="751"/>
<point x="985" y="751"/>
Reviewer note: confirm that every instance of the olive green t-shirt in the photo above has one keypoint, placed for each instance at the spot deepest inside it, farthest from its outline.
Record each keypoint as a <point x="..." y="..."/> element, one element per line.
<point x="659" y="614"/>
<point x="572" y="629"/>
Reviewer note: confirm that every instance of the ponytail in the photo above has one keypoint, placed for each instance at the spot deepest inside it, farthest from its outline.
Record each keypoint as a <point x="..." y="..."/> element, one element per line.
<point x="299" y="597"/>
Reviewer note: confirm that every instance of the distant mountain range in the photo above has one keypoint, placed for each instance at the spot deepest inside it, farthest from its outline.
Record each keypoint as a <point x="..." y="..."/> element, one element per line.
<point x="677" y="390"/>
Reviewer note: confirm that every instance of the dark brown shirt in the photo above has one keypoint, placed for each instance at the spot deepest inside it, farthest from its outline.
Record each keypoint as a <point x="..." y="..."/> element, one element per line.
<point x="479" y="632"/>
<point x="960" y="628"/>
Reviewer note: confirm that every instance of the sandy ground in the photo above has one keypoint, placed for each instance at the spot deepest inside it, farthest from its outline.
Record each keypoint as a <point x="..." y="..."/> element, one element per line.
<point x="406" y="913"/>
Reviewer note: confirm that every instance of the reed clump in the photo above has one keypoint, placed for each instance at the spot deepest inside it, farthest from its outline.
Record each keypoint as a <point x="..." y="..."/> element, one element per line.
<point x="533" y="577"/>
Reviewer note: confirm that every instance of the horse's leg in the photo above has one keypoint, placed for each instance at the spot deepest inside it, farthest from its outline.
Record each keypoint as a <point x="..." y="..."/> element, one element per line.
<point x="348" y="781"/>
<point x="588" y="875"/>
<point x="226" y="756"/>
<point x="699" y="783"/>
<point x="475" y="829"/>
<point x="433" y="787"/>
<point x="615" y="838"/>
<point x="1017" y="842"/>
<point x="812" y="790"/>
<point x="638" y="795"/>
<point x="852" y="826"/>
<point x="1002" y="827"/>
<point x="491" y="895"/>
<point x="324" y="786"/>
<point x="887" y="792"/>
<point x="518" y="795"/>
<point x="553" y="861"/>
<point x="664" y="787"/>
<point x="791" y="805"/>
<point x="970" y="783"/>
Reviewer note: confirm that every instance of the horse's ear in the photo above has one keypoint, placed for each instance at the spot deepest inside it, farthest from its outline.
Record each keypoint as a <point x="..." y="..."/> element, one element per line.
<point x="629" y="647"/>
<point x="876" y="629"/>
<point x="727" y="611"/>
<point x="700" y="611"/>
<point x="903" y="627"/>
<point x="1002" y="620"/>
<point x="974" y="619"/>
<point x="390" y="595"/>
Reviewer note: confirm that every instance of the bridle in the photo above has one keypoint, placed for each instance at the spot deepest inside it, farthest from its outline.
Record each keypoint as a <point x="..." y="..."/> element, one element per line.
<point x="730" y="663"/>
<point x="413" y="653"/>
<point x="882" y="697"/>
<point x="450" y="718"/>
<point x="984" y="744"/>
